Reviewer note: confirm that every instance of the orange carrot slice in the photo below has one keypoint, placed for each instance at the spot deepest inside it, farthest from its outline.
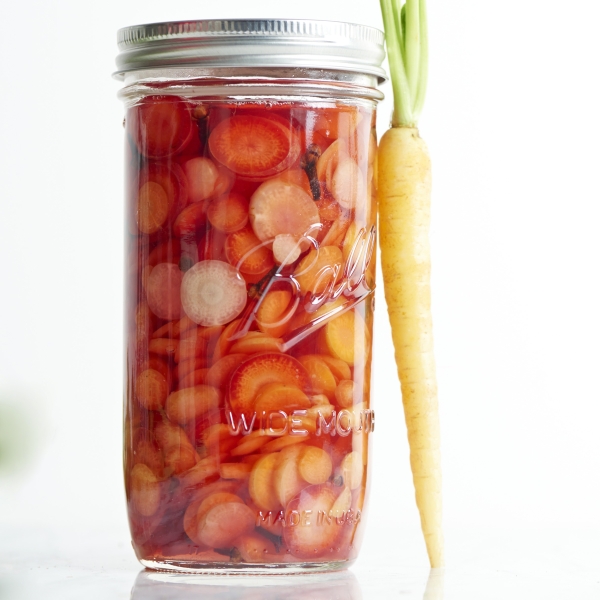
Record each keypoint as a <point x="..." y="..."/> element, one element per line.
<point x="212" y="293"/>
<point x="282" y="442"/>
<point x="235" y="470"/>
<point x="218" y="375"/>
<point x="245" y="252"/>
<point x="163" y="291"/>
<point x="260" y="484"/>
<point x="151" y="389"/>
<point x="163" y="346"/>
<point x="249" y="444"/>
<point x="254" y="373"/>
<point x="322" y="380"/>
<point x="223" y="523"/>
<point x="319" y="269"/>
<point x="152" y="207"/>
<point x="314" y="465"/>
<point x="280" y="396"/>
<point x="144" y="490"/>
<point x="273" y="315"/>
<point x="194" y="378"/>
<point x="287" y="481"/>
<point x="255" y="548"/>
<point x="344" y="393"/>
<point x="188" y="404"/>
<point x="255" y="341"/>
<point x="228" y="213"/>
<point x="344" y="336"/>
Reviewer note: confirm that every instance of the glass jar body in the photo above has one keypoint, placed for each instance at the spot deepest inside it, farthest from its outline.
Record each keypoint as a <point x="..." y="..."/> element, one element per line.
<point x="250" y="267"/>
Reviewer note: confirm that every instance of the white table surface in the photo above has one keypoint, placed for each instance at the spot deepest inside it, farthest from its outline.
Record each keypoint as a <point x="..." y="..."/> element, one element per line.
<point x="49" y="565"/>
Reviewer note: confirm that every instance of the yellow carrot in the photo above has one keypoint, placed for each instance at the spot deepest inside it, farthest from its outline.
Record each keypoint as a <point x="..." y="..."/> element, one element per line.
<point x="404" y="191"/>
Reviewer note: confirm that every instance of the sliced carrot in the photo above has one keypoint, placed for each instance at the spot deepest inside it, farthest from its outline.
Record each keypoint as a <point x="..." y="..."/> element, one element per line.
<point x="254" y="373"/>
<point x="255" y="548"/>
<point x="255" y="341"/>
<point x="163" y="291"/>
<point x="348" y="184"/>
<point x="199" y="507"/>
<point x="250" y="459"/>
<point x="260" y="484"/>
<point x="344" y="393"/>
<point x="344" y="337"/>
<point x="322" y="380"/>
<point x="245" y="252"/>
<point x="228" y="213"/>
<point x="202" y="175"/>
<point x="186" y="367"/>
<point x="287" y="481"/>
<point x="314" y="465"/>
<point x="151" y="389"/>
<point x="223" y="523"/>
<point x="160" y="125"/>
<point x="251" y="146"/>
<point x="319" y="270"/>
<point x="189" y="349"/>
<point x="165" y="330"/>
<point x="225" y="181"/>
<point x="273" y="315"/>
<point x="282" y="442"/>
<point x="215" y="433"/>
<point x="286" y="248"/>
<point x="152" y="207"/>
<point x="178" y="452"/>
<point x="297" y="177"/>
<point x="277" y="207"/>
<point x="188" y="404"/>
<point x="199" y="473"/>
<point x="148" y="453"/>
<point x="194" y="378"/>
<point x="158" y="364"/>
<point x="280" y="396"/>
<point x="329" y="160"/>
<point x="218" y="375"/>
<point x="144" y="490"/>
<point x="337" y="232"/>
<point x="225" y="341"/>
<point x="351" y="469"/>
<point x="190" y="220"/>
<point x="338" y="367"/>
<point x="235" y="470"/>
<point x="213" y="293"/>
<point x="250" y="444"/>
<point x="163" y="346"/>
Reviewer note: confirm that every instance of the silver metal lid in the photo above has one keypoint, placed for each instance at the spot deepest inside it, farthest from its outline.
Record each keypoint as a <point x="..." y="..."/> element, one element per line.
<point x="328" y="45"/>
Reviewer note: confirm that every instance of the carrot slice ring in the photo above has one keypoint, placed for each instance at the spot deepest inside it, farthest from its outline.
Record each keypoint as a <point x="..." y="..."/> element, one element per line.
<point x="250" y="146"/>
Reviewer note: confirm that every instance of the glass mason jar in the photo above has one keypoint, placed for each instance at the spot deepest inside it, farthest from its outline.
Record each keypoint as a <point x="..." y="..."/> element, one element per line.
<point x="250" y="266"/>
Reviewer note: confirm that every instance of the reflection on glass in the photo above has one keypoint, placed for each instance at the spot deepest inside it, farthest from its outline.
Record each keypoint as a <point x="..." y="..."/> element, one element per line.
<point x="152" y="585"/>
<point x="434" y="590"/>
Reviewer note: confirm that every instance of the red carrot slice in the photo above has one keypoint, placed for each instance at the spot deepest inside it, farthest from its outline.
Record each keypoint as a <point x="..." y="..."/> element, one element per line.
<point x="228" y="213"/>
<point x="163" y="291"/>
<point x="251" y="146"/>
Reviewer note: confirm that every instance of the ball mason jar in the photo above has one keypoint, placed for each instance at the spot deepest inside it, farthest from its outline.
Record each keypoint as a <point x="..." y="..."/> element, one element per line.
<point x="250" y="269"/>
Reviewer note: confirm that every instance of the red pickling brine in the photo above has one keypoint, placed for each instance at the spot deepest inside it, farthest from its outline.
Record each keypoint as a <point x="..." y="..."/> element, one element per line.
<point x="250" y="276"/>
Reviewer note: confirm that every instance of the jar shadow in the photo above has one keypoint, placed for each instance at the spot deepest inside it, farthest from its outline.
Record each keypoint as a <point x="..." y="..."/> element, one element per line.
<point x="156" y="585"/>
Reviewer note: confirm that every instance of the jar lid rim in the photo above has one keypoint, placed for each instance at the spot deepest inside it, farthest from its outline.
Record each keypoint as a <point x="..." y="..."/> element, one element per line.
<point x="300" y="43"/>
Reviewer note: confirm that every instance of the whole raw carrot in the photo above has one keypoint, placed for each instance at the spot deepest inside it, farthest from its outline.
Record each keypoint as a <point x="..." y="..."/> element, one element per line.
<point x="404" y="192"/>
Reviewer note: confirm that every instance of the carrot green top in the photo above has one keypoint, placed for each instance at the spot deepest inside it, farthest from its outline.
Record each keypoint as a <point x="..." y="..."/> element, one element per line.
<point x="405" y="24"/>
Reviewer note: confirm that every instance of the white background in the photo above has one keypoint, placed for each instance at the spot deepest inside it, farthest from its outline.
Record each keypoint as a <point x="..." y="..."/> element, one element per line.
<point x="512" y="122"/>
